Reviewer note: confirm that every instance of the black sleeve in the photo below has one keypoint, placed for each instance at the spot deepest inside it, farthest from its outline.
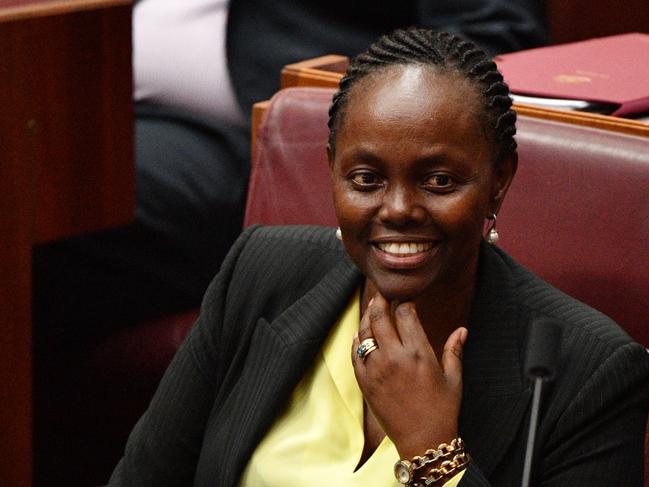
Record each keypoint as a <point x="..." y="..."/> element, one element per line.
<point x="164" y="446"/>
<point x="600" y="435"/>
<point x="497" y="26"/>
<point x="598" y="439"/>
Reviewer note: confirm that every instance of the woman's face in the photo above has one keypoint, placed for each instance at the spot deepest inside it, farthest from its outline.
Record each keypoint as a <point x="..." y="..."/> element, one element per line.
<point x="413" y="180"/>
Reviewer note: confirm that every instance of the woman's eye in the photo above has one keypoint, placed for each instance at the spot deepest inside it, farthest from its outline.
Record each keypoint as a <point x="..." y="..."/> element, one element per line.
<point x="365" y="179"/>
<point x="440" y="183"/>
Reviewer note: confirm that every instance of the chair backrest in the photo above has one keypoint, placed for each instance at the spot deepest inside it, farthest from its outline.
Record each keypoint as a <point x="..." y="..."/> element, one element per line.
<point x="289" y="178"/>
<point x="577" y="213"/>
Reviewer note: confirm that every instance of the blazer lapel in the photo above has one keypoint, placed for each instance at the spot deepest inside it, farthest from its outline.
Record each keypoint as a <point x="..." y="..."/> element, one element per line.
<point x="279" y="353"/>
<point x="495" y="396"/>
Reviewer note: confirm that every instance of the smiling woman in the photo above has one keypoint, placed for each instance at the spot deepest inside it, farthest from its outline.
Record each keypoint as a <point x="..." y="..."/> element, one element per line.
<point x="263" y="391"/>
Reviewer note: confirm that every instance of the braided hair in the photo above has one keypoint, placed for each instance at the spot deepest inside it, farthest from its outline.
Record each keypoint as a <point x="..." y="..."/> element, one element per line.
<point x="446" y="52"/>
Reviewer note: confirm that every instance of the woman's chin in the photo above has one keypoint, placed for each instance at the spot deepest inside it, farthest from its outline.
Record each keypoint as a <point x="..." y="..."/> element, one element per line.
<point x="399" y="291"/>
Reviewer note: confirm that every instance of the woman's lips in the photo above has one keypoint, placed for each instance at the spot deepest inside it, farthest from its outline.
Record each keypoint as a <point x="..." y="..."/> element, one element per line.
<point x="403" y="255"/>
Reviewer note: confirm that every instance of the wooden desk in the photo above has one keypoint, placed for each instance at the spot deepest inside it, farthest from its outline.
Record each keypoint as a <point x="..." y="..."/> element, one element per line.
<point x="66" y="167"/>
<point x="326" y="71"/>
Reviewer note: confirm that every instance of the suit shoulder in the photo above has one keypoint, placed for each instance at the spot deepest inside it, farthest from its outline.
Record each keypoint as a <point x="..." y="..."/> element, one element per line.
<point x="322" y="237"/>
<point x="289" y="245"/>
<point x="579" y="321"/>
<point x="595" y="353"/>
<point x="279" y="264"/>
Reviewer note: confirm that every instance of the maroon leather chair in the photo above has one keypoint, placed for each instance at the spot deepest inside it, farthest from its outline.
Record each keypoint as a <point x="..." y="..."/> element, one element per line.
<point x="289" y="176"/>
<point x="577" y="213"/>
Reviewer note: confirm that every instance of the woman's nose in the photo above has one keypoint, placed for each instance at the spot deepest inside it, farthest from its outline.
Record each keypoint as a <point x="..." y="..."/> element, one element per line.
<point x="400" y="207"/>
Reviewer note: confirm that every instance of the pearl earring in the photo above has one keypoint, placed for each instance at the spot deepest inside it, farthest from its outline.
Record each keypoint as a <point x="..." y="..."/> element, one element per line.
<point x="492" y="234"/>
<point x="339" y="233"/>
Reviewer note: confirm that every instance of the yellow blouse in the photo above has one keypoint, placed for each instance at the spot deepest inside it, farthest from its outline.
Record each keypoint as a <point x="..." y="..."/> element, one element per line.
<point x="318" y="439"/>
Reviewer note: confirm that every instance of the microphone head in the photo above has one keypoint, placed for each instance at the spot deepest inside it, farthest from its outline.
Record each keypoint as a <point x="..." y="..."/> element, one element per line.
<point x="542" y="348"/>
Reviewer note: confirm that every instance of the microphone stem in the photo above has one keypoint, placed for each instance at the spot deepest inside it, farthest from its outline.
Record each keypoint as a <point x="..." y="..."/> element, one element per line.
<point x="531" y="437"/>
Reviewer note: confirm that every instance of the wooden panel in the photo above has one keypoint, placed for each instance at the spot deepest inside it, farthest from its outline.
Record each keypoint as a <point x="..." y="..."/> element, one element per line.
<point x="15" y="319"/>
<point x="66" y="167"/>
<point x="326" y="72"/>
<point x="68" y="77"/>
<point x="20" y="9"/>
<point x="258" y="112"/>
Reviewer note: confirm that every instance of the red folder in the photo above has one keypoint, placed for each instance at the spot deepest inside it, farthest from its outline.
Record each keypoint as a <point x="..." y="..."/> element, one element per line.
<point x="612" y="70"/>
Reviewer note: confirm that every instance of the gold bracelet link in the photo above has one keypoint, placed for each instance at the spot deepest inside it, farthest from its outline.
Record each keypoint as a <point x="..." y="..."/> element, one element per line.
<point x="446" y="460"/>
<point x="446" y="470"/>
<point x="444" y="450"/>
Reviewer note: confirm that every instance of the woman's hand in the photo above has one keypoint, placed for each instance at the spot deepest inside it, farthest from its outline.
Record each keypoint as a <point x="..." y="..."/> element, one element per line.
<point x="415" y="399"/>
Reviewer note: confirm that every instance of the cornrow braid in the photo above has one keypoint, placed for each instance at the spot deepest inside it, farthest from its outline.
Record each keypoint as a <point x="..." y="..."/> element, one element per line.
<point x="446" y="52"/>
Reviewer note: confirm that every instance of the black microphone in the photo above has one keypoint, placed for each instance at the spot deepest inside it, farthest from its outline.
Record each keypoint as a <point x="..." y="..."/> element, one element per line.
<point x="540" y="362"/>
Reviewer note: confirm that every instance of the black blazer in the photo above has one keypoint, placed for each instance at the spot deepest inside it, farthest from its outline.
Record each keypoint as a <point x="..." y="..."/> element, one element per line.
<point x="271" y="307"/>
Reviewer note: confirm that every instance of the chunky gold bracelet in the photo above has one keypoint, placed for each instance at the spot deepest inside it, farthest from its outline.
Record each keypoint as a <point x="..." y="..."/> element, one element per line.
<point x="443" y="451"/>
<point x="406" y="470"/>
<point x="446" y="470"/>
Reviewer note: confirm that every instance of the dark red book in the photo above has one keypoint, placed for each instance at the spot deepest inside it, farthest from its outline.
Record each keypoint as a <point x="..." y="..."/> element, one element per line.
<point x="608" y="70"/>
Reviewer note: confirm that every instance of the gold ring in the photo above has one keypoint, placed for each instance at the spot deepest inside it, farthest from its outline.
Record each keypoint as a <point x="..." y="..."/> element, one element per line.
<point x="366" y="347"/>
